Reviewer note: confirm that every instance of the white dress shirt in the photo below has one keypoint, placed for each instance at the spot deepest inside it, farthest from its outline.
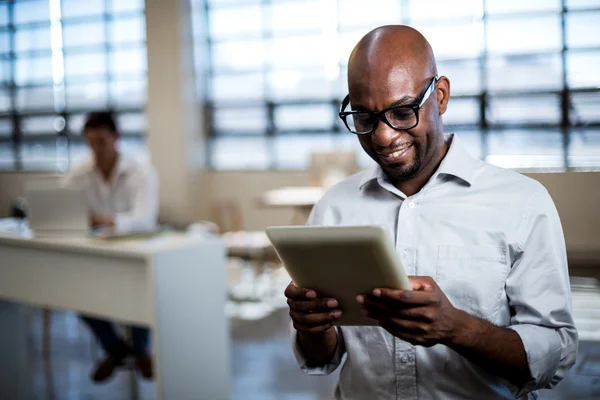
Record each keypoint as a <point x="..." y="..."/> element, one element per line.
<point x="492" y="240"/>
<point x="130" y="196"/>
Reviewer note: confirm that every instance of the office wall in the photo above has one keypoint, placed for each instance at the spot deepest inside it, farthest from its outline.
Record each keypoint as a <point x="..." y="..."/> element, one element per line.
<point x="576" y="194"/>
<point x="577" y="198"/>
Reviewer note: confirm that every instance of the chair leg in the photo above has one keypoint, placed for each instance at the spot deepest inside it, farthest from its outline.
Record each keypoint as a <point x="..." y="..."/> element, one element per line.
<point x="46" y="332"/>
<point x="133" y="385"/>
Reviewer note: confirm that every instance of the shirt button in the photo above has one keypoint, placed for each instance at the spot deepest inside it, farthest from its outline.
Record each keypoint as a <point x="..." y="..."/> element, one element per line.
<point x="404" y="359"/>
<point x="411" y="204"/>
<point x="404" y="254"/>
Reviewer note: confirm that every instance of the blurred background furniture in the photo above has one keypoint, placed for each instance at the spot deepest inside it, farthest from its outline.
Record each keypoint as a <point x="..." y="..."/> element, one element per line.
<point x="300" y="198"/>
<point x="330" y="167"/>
<point x="151" y="283"/>
<point x="326" y="169"/>
<point x="252" y="257"/>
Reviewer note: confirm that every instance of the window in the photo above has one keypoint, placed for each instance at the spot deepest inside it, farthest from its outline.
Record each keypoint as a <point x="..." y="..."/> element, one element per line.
<point x="293" y="151"/>
<point x="515" y="110"/>
<point x="584" y="148"/>
<point x="60" y="59"/>
<point x="231" y="152"/>
<point x="277" y="73"/>
<point x="517" y="149"/>
<point x="526" y="72"/>
<point x="247" y="120"/>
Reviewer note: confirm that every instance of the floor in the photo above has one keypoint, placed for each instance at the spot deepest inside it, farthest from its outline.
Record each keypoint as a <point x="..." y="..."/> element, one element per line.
<point x="263" y="367"/>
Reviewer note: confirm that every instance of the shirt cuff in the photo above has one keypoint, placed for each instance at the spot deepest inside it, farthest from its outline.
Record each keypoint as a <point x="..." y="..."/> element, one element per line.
<point x="543" y="349"/>
<point x="123" y="224"/>
<point x="325" y="369"/>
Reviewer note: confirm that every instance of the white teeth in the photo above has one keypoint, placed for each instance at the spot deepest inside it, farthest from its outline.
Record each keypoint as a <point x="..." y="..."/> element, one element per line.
<point x="397" y="153"/>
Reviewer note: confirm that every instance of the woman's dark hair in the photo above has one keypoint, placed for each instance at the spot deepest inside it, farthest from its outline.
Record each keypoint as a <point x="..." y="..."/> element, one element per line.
<point x="101" y="119"/>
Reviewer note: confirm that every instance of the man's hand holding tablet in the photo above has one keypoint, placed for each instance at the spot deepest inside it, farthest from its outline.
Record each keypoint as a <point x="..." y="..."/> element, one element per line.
<point x="423" y="316"/>
<point x="310" y="313"/>
<point x="313" y="318"/>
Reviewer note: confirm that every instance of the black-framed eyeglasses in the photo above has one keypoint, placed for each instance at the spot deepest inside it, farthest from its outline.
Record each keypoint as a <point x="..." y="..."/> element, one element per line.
<point x="398" y="117"/>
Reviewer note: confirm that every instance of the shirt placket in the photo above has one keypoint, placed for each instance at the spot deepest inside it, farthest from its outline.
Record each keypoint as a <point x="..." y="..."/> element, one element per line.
<point x="105" y="189"/>
<point x="404" y="352"/>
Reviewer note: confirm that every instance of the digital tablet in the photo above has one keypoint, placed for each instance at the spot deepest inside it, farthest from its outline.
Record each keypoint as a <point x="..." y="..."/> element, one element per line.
<point x="340" y="262"/>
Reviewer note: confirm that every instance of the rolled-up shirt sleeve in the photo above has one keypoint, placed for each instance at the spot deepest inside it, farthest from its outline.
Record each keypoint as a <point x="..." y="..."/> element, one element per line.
<point x="324" y="369"/>
<point x="539" y="294"/>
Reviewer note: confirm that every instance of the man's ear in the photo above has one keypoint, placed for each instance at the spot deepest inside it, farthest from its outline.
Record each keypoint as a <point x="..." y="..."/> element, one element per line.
<point x="443" y="93"/>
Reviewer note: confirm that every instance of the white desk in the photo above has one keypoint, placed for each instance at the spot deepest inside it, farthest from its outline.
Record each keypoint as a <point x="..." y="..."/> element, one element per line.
<point x="301" y="199"/>
<point x="173" y="283"/>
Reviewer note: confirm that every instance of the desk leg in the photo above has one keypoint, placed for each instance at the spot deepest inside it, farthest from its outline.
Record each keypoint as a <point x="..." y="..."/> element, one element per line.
<point x="13" y="351"/>
<point x="191" y="332"/>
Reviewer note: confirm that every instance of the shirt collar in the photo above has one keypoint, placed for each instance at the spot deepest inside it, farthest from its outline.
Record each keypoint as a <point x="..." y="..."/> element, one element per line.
<point x="457" y="162"/>
<point x="123" y="165"/>
<point x="370" y="175"/>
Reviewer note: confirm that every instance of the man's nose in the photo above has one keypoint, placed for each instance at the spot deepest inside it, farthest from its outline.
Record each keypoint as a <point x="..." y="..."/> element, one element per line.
<point x="383" y="135"/>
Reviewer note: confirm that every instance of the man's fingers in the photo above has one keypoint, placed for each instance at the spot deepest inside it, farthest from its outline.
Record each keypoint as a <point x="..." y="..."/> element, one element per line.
<point x="314" y="319"/>
<point x="374" y="306"/>
<point x="312" y="329"/>
<point x="409" y="331"/>
<point x="411" y="312"/>
<point x="388" y="309"/>
<point x="416" y="339"/>
<point x="295" y="293"/>
<point x="422" y="282"/>
<point x="425" y="314"/>
<point x="370" y="312"/>
<point x="411" y="297"/>
<point x="308" y="312"/>
<point x="316" y="305"/>
<point x="404" y="325"/>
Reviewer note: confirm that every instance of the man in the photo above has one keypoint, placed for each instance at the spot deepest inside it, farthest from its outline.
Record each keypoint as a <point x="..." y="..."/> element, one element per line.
<point x="122" y="196"/>
<point x="489" y="316"/>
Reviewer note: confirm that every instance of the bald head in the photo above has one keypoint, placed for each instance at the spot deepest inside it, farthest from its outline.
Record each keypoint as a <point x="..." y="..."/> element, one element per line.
<point x="397" y="52"/>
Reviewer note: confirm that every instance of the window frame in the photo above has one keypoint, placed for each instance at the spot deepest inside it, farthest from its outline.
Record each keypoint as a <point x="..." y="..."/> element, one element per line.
<point x="60" y="107"/>
<point x="484" y="125"/>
